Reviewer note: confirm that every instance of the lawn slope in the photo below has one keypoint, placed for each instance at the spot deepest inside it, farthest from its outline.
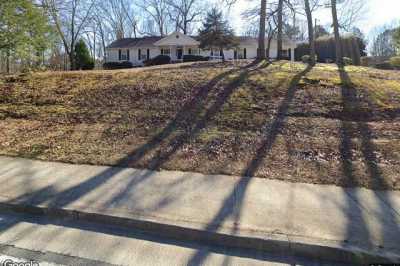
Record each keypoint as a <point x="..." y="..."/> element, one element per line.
<point x="283" y="121"/>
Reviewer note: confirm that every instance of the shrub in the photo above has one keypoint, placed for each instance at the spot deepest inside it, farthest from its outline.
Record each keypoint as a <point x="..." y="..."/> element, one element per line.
<point x="385" y="66"/>
<point x="194" y="58"/>
<point x="365" y="61"/>
<point x="347" y="61"/>
<point x="89" y="65"/>
<point x="352" y="47"/>
<point x="306" y="59"/>
<point x="395" y="62"/>
<point x="117" y="65"/>
<point x="158" y="60"/>
<point x="83" y="60"/>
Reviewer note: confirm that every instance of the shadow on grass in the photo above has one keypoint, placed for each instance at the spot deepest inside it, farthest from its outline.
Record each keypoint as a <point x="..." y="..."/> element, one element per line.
<point x="359" y="129"/>
<point x="232" y="205"/>
<point x="197" y="112"/>
<point x="200" y="111"/>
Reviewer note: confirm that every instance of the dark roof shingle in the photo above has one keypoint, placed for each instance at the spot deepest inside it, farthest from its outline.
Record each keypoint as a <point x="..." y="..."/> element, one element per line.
<point x="135" y="42"/>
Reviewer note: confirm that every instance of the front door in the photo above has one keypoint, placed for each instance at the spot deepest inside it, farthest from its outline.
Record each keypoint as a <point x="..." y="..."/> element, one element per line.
<point x="179" y="53"/>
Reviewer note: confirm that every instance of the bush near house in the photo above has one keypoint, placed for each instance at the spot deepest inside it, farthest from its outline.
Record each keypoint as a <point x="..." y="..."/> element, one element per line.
<point x="195" y="58"/>
<point x="158" y="60"/>
<point x="365" y="61"/>
<point x="347" y="61"/>
<point x="352" y="47"/>
<point x="83" y="59"/>
<point x="306" y="58"/>
<point x="395" y="62"/>
<point x="117" y="65"/>
<point x="384" y="66"/>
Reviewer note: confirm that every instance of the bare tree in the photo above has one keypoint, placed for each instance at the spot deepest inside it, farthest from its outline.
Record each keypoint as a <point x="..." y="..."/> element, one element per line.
<point x="310" y="31"/>
<point x="101" y="30"/>
<point x="271" y="30"/>
<point x="339" y="59"/>
<point x="158" y="11"/>
<point x="70" y="17"/>
<point x="261" y="36"/>
<point x="185" y="12"/>
<point x="119" y="15"/>
<point x="383" y="43"/>
<point x="280" y="28"/>
<point x="350" y="12"/>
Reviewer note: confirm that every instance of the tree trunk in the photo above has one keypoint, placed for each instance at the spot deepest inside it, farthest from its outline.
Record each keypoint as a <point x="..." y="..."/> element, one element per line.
<point x="339" y="58"/>
<point x="310" y="32"/>
<point x="280" y="26"/>
<point x="8" y="61"/>
<point x="94" y="47"/>
<point x="185" y="26"/>
<point x="268" y="47"/>
<point x="261" y="37"/>
<point x="71" y="56"/>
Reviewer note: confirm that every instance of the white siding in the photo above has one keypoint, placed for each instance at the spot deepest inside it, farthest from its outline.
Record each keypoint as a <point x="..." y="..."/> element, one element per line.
<point x="251" y="52"/>
<point x="112" y="55"/>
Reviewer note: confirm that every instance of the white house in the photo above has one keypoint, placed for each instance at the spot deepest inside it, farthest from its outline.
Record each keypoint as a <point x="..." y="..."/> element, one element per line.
<point x="176" y="45"/>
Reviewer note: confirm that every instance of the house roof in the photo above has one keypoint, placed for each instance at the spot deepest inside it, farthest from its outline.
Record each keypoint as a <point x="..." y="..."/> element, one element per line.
<point x="177" y="38"/>
<point x="135" y="42"/>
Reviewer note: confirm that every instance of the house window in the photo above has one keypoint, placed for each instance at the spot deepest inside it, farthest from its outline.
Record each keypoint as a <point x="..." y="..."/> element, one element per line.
<point x="190" y="51"/>
<point x="143" y="56"/>
<point x="165" y="51"/>
<point x="285" y="53"/>
<point x="123" y="55"/>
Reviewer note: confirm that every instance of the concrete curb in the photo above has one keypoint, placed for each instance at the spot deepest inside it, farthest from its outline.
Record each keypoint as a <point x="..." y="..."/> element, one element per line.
<point x="280" y="244"/>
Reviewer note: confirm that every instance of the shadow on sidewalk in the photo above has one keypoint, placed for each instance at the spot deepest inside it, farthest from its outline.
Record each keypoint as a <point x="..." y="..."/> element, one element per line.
<point x="360" y="129"/>
<point x="197" y="113"/>
<point x="31" y="222"/>
<point x="232" y="204"/>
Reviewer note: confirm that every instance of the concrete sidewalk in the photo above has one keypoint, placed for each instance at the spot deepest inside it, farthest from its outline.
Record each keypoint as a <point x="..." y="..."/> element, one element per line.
<point x="353" y="225"/>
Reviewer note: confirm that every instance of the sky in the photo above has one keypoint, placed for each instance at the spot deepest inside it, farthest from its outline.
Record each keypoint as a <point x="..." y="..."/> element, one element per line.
<point x="378" y="13"/>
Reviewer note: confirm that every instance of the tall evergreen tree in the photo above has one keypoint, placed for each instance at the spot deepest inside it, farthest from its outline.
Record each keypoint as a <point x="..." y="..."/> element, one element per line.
<point x="216" y="33"/>
<point x="83" y="59"/>
<point x="24" y="31"/>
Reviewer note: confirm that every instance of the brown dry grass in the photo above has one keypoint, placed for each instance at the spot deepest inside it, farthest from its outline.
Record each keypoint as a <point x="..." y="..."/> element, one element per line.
<point x="267" y="121"/>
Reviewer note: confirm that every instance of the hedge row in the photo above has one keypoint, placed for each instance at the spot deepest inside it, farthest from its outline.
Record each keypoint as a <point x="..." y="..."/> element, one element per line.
<point x="195" y="58"/>
<point x="117" y="65"/>
<point x="158" y="60"/>
<point x="325" y="48"/>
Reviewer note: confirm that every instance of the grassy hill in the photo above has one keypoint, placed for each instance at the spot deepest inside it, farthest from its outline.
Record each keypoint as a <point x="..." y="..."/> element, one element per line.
<point x="283" y="121"/>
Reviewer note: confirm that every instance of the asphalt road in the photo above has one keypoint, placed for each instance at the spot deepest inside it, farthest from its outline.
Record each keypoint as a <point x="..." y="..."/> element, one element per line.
<point x="49" y="241"/>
